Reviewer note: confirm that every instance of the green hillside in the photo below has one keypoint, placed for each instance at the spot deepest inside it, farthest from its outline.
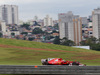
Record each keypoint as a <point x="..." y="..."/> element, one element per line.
<point x="19" y="52"/>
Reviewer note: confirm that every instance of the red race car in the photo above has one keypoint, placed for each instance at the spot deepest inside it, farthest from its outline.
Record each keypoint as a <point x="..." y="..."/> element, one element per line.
<point x="59" y="61"/>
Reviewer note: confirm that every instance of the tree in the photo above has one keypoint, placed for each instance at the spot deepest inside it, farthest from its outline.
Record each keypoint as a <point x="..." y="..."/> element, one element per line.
<point x="1" y="34"/>
<point x="24" y="33"/>
<point x="57" y="40"/>
<point x="56" y="26"/>
<point x="37" y="31"/>
<point x="83" y="43"/>
<point x="98" y="41"/>
<point x="13" y="34"/>
<point x="31" y="38"/>
<point x="67" y="42"/>
<point x="89" y="41"/>
<point x="64" y="39"/>
<point x="93" y="42"/>
<point x="95" y="47"/>
<point x="54" y="31"/>
<point x="25" y="25"/>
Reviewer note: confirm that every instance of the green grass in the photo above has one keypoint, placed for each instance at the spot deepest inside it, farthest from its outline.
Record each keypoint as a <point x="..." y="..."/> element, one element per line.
<point x="18" y="56"/>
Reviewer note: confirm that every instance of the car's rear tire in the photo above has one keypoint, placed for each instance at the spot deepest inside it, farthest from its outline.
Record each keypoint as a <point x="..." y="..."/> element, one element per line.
<point x="45" y="63"/>
<point x="75" y="63"/>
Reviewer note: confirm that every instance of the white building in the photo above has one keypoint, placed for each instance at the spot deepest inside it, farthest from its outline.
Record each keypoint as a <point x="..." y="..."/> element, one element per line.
<point x="9" y="13"/>
<point x="30" y="22"/>
<point x="21" y="22"/>
<point x="84" y="20"/>
<point x="90" y="24"/>
<point x="5" y="31"/>
<point x="96" y="23"/>
<point x="83" y="47"/>
<point x="36" y="18"/>
<point x="48" y="21"/>
<point x="3" y="27"/>
<point x="70" y="26"/>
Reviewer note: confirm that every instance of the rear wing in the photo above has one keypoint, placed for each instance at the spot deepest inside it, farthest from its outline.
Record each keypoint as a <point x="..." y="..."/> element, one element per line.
<point x="43" y="60"/>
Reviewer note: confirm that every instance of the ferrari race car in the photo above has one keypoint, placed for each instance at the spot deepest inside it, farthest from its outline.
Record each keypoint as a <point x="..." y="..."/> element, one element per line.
<point x="59" y="61"/>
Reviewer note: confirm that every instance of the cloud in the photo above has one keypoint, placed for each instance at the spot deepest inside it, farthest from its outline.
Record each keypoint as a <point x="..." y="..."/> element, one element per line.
<point x="21" y="1"/>
<point x="30" y="8"/>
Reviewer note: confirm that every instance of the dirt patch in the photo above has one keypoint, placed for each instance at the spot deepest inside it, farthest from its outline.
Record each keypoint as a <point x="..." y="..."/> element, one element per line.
<point x="27" y="48"/>
<point x="81" y="55"/>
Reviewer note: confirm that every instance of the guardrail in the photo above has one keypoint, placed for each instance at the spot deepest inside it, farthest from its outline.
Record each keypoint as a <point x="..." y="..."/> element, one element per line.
<point x="68" y="70"/>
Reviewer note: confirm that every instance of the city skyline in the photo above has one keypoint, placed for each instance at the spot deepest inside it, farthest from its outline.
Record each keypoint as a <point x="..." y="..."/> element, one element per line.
<point x="29" y="8"/>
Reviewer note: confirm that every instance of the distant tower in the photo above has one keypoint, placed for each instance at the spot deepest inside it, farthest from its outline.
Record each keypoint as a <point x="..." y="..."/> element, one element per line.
<point x="35" y="18"/>
<point x="48" y="21"/>
<point x="9" y="13"/>
<point x="96" y="23"/>
<point x="70" y="26"/>
<point x="3" y="27"/>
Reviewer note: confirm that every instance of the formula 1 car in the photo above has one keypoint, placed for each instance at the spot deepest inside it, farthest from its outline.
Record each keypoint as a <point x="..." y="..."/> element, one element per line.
<point x="59" y="61"/>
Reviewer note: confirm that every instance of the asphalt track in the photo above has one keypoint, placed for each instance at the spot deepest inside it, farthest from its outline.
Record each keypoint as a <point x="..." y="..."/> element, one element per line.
<point x="50" y="70"/>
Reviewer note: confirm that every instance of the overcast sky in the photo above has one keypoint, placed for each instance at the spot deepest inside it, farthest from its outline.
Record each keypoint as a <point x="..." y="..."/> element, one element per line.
<point x="29" y="8"/>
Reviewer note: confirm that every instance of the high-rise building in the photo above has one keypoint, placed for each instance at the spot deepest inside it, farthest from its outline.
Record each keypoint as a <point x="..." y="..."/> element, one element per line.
<point x="70" y="26"/>
<point x="3" y="27"/>
<point x="84" y="20"/>
<point x="36" y="18"/>
<point x="9" y="13"/>
<point x="48" y="21"/>
<point x="96" y="23"/>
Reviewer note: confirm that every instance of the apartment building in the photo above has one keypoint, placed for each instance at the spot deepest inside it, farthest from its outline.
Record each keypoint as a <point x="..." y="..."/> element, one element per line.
<point x="48" y="21"/>
<point x="70" y="26"/>
<point x="96" y="22"/>
<point x="9" y="13"/>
